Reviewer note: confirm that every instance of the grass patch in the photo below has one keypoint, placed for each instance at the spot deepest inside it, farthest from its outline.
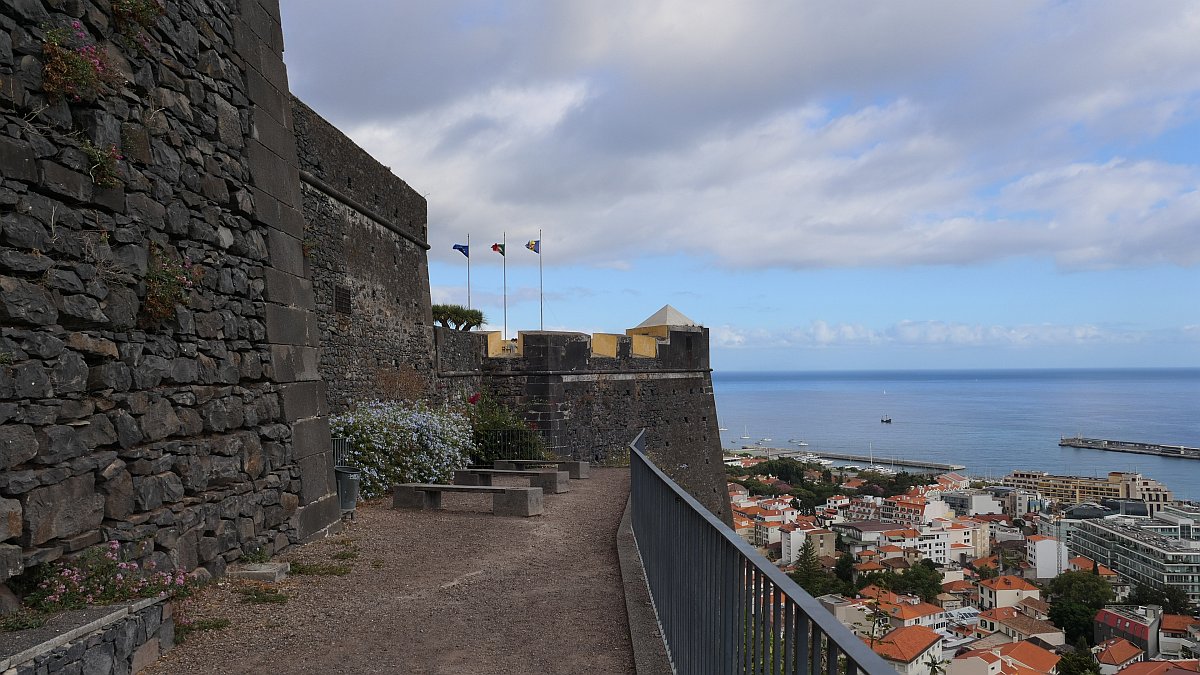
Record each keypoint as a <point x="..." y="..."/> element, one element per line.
<point x="320" y="569"/>
<point x="261" y="595"/>
<point x="348" y="554"/>
<point x="182" y="631"/>
<point x="22" y="620"/>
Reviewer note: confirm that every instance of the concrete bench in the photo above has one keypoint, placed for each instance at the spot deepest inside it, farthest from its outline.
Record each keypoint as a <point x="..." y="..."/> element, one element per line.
<point x="551" y="481"/>
<point x="506" y="501"/>
<point x="578" y="470"/>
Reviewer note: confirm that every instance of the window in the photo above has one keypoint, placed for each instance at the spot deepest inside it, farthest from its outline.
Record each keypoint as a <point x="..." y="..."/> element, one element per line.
<point x="341" y="299"/>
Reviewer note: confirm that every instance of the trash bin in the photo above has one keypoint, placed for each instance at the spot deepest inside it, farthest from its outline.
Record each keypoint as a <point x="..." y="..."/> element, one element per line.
<point x="348" y="478"/>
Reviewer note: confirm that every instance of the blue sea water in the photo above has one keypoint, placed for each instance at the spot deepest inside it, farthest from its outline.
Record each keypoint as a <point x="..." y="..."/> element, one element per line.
<point x="993" y="421"/>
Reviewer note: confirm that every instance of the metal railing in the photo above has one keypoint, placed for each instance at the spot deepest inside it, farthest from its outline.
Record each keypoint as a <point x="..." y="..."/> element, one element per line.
<point x="510" y="444"/>
<point x="723" y="608"/>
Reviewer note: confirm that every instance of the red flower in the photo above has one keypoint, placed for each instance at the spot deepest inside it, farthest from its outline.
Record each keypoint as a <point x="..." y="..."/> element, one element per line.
<point x="473" y="398"/>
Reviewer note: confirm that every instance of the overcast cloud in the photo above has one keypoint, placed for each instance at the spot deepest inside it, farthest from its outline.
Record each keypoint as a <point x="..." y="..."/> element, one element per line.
<point x="777" y="133"/>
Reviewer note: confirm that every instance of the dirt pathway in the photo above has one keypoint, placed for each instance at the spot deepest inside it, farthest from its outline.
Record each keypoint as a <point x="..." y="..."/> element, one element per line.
<point x="456" y="591"/>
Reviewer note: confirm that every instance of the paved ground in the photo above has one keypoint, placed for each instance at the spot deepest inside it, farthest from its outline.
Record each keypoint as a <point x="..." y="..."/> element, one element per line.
<point x="456" y="591"/>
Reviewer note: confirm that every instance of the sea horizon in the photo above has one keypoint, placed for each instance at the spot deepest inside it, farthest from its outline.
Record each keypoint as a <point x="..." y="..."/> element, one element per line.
<point x="992" y="420"/>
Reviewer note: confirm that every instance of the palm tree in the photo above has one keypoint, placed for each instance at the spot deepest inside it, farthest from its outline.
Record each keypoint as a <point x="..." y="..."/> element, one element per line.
<point x="936" y="666"/>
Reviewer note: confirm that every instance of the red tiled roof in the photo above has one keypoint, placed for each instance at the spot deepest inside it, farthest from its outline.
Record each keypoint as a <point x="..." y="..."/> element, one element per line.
<point x="1160" y="667"/>
<point x="906" y="644"/>
<point x="1008" y="582"/>
<point x="1176" y="623"/>
<point x="1116" y="651"/>
<point x="1031" y="655"/>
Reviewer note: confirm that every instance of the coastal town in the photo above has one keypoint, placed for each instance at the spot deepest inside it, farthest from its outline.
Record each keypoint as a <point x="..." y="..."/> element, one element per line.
<point x="940" y="573"/>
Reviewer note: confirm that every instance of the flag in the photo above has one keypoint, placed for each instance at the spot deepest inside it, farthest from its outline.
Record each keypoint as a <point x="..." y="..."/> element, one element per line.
<point x="498" y="248"/>
<point x="535" y="245"/>
<point x="462" y="248"/>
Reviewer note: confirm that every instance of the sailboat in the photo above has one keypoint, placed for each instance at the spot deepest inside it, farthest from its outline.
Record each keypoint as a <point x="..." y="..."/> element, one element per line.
<point x="746" y="433"/>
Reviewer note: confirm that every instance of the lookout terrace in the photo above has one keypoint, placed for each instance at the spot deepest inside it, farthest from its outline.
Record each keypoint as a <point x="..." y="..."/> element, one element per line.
<point x="196" y="272"/>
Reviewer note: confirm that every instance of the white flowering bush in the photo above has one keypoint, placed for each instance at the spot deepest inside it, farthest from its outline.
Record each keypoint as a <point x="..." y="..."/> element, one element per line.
<point x="394" y="442"/>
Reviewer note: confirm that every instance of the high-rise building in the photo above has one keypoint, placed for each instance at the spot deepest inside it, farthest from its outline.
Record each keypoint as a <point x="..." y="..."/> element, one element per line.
<point x="1159" y="552"/>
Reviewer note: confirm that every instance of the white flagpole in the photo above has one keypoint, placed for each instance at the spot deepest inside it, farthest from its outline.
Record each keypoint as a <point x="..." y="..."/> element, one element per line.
<point x="541" y="285"/>
<point x="468" y="270"/>
<point x="504" y="276"/>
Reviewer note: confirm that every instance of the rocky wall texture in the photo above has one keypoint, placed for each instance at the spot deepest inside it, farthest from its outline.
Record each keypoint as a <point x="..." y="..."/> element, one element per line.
<point x="158" y="381"/>
<point x="123" y="641"/>
<point x="590" y="407"/>
<point x="365" y="245"/>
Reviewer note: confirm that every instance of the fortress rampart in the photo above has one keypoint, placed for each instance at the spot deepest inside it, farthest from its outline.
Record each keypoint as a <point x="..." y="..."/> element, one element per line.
<point x="291" y="270"/>
<point x="589" y="395"/>
<point x="191" y="435"/>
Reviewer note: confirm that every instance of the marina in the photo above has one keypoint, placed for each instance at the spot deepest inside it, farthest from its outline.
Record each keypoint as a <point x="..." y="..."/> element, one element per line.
<point x="873" y="460"/>
<point x="1129" y="446"/>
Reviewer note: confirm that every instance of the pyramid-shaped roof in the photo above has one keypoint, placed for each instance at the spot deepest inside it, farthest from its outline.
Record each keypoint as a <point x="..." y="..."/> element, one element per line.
<point x="667" y="316"/>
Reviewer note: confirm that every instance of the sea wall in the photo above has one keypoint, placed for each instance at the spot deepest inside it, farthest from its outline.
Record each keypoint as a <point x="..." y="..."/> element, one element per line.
<point x="589" y="396"/>
<point x="158" y="349"/>
<point x="365" y="245"/>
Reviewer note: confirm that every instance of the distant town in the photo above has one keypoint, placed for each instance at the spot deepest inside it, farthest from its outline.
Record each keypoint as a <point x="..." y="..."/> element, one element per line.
<point x="939" y="573"/>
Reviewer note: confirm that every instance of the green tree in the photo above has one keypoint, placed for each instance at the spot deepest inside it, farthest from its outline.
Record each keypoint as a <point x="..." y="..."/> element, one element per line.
<point x="1075" y="599"/>
<point x="1172" y="599"/>
<point x="1082" y="587"/>
<point x="923" y="580"/>
<point x="1078" y="662"/>
<point x="1074" y="618"/>
<point x="457" y="317"/>
<point x="844" y="569"/>
<point x="986" y="572"/>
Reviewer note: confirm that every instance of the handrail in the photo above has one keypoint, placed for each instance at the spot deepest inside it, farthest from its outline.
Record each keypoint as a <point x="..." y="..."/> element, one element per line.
<point x="722" y="607"/>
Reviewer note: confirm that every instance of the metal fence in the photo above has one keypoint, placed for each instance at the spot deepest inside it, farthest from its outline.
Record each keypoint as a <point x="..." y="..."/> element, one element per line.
<point x="724" y="608"/>
<point x="511" y="444"/>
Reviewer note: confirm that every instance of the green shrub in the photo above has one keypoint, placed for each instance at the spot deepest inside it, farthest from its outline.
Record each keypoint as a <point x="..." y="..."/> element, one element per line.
<point x="499" y="432"/>
<point x="394" y="442"/>
<point x="457" y="317"/>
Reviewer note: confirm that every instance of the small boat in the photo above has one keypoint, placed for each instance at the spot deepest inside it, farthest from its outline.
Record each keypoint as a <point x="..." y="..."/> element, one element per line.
<point x="722" y="429"/>
<point x="764" y="440"/>
<point x="797" y="441"/>
<point x="824" y="462"/>
<point x="877" y="468"/>
<point x="885" y="420"/>
<point x="746" y="433"/>
<point x="851" y="467"/>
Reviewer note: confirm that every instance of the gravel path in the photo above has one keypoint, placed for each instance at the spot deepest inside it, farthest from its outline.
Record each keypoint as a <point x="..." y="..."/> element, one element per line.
<point x="455" y="591"/>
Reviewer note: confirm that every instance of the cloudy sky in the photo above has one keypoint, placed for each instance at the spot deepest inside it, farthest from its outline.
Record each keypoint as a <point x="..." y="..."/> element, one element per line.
<point x="824" y="185"/>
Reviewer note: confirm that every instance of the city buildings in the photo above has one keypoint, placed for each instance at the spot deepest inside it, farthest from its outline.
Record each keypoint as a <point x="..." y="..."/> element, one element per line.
<point x="1159" y="552"/>
<point x="1065" y="490"/>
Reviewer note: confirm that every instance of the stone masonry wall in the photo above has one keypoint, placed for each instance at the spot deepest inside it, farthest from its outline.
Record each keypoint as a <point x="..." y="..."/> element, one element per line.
<point x="193" y="437"/>
<point x="365" y="239"/>
<point x="590" y="407"/>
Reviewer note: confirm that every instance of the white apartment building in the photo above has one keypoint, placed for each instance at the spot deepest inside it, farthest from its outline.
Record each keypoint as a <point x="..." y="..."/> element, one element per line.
<point x="1047" y="556"/>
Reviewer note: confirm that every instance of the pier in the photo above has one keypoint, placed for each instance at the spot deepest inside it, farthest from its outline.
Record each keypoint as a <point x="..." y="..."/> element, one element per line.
<point x="876" y="459"/>
<point x="1129" y="446"/>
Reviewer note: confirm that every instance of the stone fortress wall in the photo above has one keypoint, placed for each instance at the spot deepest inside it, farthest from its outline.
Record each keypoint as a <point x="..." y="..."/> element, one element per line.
<point x="590" y="395"/>
<point x="194" y="437"/>
<point x="365" y="244"/>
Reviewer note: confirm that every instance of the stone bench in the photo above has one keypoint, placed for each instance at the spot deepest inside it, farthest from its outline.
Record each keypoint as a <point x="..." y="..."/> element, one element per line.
<point x="551" y="481"/>
<point x="578" y="470"/>
<point x="506" y="501"/>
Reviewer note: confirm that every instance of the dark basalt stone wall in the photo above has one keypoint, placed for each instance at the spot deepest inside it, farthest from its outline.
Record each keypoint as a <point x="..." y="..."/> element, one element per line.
<point x="365" y="239"/>
<point x="590" y="407"/>
<point x="194" y="437"/>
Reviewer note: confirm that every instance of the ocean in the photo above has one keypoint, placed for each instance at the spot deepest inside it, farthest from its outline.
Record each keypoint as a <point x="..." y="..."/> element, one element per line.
<point x="993" y="421"/>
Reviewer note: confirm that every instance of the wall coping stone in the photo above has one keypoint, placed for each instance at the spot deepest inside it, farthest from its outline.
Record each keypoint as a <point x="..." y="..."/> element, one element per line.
<point x="94" y="618"/>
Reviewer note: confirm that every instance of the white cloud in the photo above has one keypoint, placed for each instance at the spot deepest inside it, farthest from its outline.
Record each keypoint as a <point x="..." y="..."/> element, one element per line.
<point x="796" y="135"/>
<point x="820" y="334"/>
